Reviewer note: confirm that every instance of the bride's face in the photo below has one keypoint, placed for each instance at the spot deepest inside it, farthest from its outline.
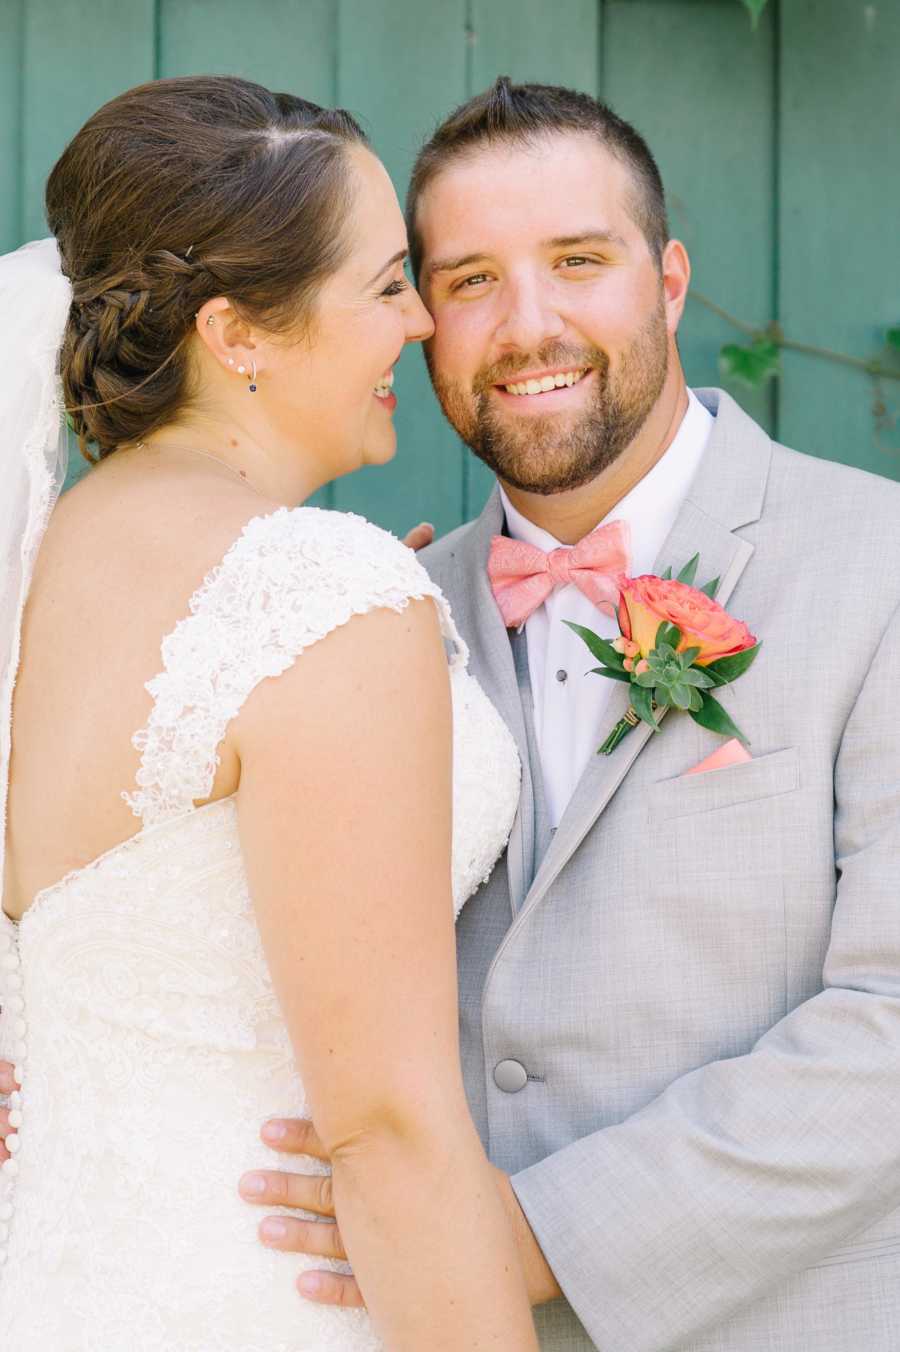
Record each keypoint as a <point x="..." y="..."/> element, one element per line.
<point x="333" y="386"/>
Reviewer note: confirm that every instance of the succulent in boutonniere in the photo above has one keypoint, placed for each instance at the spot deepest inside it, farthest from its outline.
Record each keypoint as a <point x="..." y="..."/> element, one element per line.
<point x="676" y="646"/>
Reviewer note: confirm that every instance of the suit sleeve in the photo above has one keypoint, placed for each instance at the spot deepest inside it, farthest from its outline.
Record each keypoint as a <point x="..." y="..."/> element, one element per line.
<point x="746" y="1171"/>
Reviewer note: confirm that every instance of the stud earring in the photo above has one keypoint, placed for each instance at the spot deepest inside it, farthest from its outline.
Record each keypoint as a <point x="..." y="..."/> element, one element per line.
<point x="253" y="379"/>
<point x="231" y="361"/>
<point x="241" y="370"/>
<point x="211" y="320"/>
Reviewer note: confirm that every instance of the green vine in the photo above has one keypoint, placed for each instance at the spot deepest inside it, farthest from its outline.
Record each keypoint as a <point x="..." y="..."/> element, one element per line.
<point x="756" y="8"/>
<point x="759" y="361"/>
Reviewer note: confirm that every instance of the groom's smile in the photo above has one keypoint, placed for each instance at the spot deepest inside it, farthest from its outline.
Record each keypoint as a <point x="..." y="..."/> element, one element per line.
<point x="552" y="340"/>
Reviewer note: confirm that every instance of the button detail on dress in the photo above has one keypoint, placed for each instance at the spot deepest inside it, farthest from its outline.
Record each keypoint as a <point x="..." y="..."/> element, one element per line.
<point x="562" y="676"/>
<point x="510" y="1076"/>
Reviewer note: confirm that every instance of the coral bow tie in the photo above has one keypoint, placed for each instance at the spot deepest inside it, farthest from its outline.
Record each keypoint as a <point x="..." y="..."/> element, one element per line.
<point x="523" y="576"/>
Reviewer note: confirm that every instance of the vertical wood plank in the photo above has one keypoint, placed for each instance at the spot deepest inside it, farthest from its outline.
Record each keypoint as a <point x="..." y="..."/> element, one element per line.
<point x="840" y="283"/>
<point x="697" y="83"/>
<point x="401" y="67"/>
<point x="533" y="42"/>
<point x="12" y="30"/>
<point x="530" y="42"/>
<point x="75" y="60"/>
<point x="285" y="44"/>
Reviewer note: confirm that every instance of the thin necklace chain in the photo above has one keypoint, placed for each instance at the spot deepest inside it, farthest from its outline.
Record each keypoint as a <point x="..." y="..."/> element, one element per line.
<point x="238" y="474"/>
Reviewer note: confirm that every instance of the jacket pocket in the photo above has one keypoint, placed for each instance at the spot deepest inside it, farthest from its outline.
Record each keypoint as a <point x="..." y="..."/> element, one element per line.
<point x="765" y="777"/>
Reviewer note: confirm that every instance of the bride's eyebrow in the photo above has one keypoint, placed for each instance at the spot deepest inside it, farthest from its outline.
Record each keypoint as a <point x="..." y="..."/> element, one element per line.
<point x="389" y="264"/>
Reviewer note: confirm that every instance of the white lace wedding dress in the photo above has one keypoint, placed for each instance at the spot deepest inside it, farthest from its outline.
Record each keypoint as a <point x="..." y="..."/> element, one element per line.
<point x="137" y="1002"/>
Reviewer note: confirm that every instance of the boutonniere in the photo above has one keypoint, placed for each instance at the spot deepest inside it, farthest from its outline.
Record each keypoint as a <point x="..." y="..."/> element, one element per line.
<point x="676" y="646"/>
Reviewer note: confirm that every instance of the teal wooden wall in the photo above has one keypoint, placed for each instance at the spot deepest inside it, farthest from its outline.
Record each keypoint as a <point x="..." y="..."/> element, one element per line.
<point x="779" y="149"/>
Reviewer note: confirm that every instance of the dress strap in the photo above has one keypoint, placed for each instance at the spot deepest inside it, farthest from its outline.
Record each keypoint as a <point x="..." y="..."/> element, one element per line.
<point x="287" y="581"/>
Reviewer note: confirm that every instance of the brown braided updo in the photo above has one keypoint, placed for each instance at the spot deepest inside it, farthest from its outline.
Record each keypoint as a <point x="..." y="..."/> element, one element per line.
<point x="174" y="193"/>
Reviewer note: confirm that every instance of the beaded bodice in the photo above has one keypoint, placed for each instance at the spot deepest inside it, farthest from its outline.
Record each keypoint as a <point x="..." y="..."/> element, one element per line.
<point x="138" y="1005"/>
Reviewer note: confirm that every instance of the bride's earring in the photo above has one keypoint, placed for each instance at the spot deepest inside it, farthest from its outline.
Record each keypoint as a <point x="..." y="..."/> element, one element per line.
<point x="253" y="378"/>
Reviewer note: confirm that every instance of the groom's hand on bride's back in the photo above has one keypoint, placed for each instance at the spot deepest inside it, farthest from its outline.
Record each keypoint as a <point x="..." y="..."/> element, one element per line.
<point x="7" y="1085"/>
<point x="322" y="1238"/>
<point x="419" y="536"/>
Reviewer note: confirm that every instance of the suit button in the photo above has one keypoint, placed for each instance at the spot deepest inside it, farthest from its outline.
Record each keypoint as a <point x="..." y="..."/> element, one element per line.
<point x="510" y="1076"/>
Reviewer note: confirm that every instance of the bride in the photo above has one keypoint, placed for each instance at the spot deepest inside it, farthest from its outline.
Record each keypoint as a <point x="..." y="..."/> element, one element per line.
<point x="228" y="877"/>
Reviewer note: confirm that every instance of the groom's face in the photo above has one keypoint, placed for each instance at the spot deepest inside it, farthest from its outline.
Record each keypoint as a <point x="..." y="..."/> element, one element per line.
<point x="551" y="331"/>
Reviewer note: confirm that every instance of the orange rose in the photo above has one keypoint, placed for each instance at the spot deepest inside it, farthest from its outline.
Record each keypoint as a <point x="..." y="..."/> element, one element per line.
<point x="647" y="601"/>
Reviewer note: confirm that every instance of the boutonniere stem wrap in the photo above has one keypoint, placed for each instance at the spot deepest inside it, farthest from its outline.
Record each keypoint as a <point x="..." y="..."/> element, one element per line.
<point x="676" y="646"/>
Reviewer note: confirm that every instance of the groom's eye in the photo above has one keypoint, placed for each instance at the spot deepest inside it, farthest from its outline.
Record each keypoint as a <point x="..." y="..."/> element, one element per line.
<point x="474" y="280"/>
<point x="577" y="260"/>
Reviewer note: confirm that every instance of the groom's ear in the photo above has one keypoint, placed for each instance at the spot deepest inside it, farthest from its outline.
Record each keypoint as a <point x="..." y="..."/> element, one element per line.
<point x="676" y="278"/>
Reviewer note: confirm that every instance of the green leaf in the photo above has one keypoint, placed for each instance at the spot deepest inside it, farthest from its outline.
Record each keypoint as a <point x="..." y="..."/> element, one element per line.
<point x="674" y="636"/>
<point x="697" y="676"/>
<point x="681" y="696"/>
<point x="667" y="575"/>
<point x="696" y="701"/>
<point x="642" y="703"/>
<point x="892" y="337"/>
<point x="751" y="364"/>
<point x="611" y="673"/>
<point x="689" y="571"/>
<point x="661" y="633"/>
<point x="714" y="717"/>
<point x="646" y="679"/>
<point x="710" y="588"/>
<point x="726" y="669"/>
<point x="598" y="646"/>
<point x="756" y="8"/>
<point x="663" y="652"/>
<point x="687" y="657"/>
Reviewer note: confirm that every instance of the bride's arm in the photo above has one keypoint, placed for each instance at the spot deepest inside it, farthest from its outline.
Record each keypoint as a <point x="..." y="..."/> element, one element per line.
<point x="345" y="817"/>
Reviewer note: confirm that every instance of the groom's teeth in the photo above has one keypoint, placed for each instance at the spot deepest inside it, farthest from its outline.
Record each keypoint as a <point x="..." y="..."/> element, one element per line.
<point x="546" y="383"/>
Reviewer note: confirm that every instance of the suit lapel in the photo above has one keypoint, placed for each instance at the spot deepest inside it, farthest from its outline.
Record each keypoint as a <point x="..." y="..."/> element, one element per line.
<point x="492" y="663"/>
<point x="727" y="493"/>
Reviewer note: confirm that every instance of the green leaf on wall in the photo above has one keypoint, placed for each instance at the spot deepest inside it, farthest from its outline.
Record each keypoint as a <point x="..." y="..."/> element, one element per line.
<point x="892" y="338"/>
<point x="756" y="8"/>
<point x="752" y="364"/>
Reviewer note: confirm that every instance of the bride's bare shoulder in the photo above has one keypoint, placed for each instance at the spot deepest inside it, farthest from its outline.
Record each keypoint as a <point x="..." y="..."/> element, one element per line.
<point x="156" y="531"/>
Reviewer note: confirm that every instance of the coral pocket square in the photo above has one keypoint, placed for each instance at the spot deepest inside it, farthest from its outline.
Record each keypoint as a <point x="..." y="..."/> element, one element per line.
<point x="729" y="753"/>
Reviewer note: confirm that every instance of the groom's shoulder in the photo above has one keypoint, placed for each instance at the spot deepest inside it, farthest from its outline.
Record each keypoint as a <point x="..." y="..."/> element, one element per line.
<point x="818" y="495"/>
<point x="443" y="556"/>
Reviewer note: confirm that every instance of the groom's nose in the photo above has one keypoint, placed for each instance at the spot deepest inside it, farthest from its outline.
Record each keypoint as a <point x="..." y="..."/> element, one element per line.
<point x="528" y="314"/>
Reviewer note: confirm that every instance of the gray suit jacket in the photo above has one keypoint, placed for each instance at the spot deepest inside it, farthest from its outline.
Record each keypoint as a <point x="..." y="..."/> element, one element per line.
<point x="701" y="976"/>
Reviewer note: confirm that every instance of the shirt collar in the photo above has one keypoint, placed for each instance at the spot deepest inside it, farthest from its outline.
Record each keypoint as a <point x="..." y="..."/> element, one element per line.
<point x="664" y="487"/>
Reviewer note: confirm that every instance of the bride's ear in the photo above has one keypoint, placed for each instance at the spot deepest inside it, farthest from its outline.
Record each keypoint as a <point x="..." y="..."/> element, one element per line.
<point x="225" y="335"/>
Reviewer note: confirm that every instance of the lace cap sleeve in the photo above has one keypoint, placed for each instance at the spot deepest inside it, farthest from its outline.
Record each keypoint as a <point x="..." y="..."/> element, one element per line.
<point x="287" y="581"/>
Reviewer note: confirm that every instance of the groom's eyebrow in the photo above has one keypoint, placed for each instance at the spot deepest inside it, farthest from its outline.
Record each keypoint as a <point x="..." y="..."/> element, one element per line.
<point x="584" y="237"/>
<point x="402" y="253"/>
<point x="558" y="242"/>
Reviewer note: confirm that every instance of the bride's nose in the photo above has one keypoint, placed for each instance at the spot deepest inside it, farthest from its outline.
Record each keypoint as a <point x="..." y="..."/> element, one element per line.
<point x="419" y="324"/>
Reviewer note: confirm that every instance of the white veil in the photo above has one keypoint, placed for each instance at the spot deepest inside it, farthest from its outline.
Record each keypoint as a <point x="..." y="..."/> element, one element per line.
<point x="34" y="304"/>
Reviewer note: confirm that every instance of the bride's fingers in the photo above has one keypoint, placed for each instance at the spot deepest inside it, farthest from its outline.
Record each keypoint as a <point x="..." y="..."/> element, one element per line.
<point x="5" y="1129"/>
<point x="7" y="1078"/>
<point x="303" y="1192"/>
<point x="420" y="536"/>
<point x="321" y="1239"/>
<point x="293" y="1136"/>
<point x="330" y="1288"/>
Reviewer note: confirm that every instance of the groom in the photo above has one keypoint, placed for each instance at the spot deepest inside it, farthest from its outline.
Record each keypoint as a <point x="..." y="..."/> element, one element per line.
<point x="680" y="992"/>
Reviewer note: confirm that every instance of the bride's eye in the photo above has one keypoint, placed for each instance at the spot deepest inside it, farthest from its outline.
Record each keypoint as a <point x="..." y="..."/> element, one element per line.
<point x="395" y="287"/>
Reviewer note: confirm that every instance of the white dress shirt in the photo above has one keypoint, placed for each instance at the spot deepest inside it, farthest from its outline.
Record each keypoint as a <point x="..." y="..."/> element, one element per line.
<point x="569" y="706"/>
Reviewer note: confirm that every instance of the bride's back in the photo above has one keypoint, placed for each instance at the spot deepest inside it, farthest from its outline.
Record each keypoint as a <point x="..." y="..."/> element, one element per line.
<point x="124" y="552"/>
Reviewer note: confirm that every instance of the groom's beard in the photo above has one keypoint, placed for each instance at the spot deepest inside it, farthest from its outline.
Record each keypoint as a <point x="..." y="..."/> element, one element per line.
<point x="552" y="453"/>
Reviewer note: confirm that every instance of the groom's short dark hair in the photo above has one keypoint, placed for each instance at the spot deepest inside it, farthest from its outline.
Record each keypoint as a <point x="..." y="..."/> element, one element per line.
<point x="520" y="114"/>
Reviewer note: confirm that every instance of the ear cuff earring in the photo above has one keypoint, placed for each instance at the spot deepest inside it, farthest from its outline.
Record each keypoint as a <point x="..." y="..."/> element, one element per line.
<point x="253" y="379"/>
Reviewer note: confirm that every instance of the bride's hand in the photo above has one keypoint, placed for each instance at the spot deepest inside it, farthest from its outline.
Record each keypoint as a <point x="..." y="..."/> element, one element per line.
<point x="312" y="1192"/>
<point x="420" y="536"/>
<point x="7" y="1085"/>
